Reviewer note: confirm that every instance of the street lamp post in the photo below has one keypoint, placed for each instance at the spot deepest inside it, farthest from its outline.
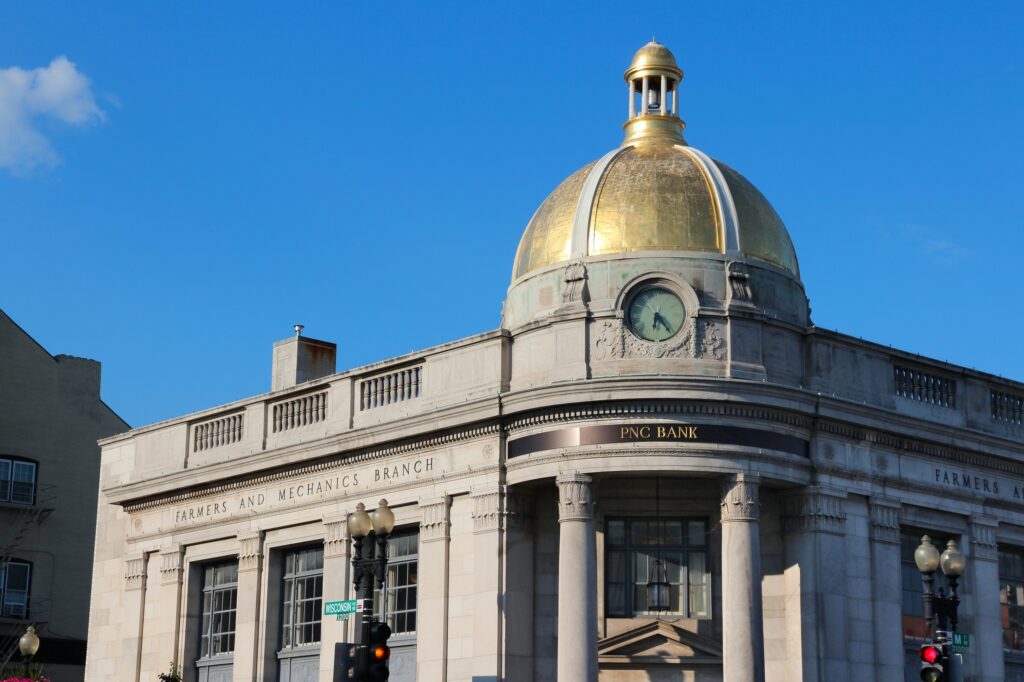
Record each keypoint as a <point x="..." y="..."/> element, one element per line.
<point x="370" y="560"/>
<point x="940" y="610"/>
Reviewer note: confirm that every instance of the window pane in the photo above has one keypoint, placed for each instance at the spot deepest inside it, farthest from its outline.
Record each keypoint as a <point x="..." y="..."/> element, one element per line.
<point x="696" y="532"/>
<point x="616" y="533"/>
<point x="673" y="533"/>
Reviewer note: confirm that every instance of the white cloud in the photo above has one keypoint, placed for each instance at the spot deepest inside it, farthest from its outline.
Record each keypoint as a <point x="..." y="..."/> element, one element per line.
<point x="29" y="98"/>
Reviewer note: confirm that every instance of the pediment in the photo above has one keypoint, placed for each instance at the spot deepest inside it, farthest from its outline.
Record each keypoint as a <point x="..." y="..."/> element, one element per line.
<point x="659" y="642"/>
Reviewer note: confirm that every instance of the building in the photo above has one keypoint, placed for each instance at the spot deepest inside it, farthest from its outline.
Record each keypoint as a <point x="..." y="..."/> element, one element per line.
<point x="656" y="409"/>
<point x="51" y="416"/>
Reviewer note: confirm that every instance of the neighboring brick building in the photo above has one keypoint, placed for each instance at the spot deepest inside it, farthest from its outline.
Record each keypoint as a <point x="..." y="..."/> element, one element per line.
<point x="51" y="417"/>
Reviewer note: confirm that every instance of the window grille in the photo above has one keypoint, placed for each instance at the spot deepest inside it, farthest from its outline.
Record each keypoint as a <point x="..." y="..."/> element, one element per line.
<point x="1007" y="408"/>
<point x="631" y="547"/>
<point x="17" y="481"/>
<point x="924" y="387"/>
<point x="302" y="597"/>
<point x="220" y="600"/>
<point x="15" y="581"/>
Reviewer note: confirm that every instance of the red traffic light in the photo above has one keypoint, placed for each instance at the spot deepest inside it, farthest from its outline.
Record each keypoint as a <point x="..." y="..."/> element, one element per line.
<point x="380" y="653"/>
<point x="930" y="654"/>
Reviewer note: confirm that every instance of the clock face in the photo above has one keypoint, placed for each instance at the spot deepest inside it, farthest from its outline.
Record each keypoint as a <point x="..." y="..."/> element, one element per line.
<point x="656" y="314"/>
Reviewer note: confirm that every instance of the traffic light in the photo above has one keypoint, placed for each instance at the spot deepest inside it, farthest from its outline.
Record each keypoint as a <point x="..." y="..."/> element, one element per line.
<point x="933" y="663"/>
<point x="345" y="661"/>
<point x="378" y="652"/>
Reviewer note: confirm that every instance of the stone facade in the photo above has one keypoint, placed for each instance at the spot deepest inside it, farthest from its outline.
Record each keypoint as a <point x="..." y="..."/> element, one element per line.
<point x="551" y="478"/>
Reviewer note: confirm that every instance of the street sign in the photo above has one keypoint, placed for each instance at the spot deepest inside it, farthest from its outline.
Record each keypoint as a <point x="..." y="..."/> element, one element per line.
<point x="343" y="609"/>
<point x="961" y="642"/>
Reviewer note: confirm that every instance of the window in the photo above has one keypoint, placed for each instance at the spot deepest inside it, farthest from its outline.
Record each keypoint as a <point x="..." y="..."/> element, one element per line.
<point x="15" y="578"/>
<point x="632" y="548"/>
<point x="302" y="597"/>
<point x="220" y="599"/>
<point x="403" y="574"/>
<point x="17" y="481"/>
<point x="1011" y="597"/>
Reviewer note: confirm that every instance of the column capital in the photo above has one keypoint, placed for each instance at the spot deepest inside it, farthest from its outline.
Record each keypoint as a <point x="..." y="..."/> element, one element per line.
<point x="171" y="564"/>
<point x="135" y="571"/>
<point x="250" y="550"/>
<point x="486" y="511"/>
<point x="814" y="509"/>
<point x="885" y="520"/>
<point x="740" y="498"/>
<point x="335" y="535"/>
<point x="982" y="533"/>
<point x="575" y="497"/>
<point x="435" y="521"/>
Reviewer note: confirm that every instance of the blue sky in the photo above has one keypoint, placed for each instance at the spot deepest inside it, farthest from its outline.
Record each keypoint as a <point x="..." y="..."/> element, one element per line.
<point x="193" y="178"/>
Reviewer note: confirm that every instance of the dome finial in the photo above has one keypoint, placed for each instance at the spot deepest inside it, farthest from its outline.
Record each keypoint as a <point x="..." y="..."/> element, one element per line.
<point x="655" y="76"/>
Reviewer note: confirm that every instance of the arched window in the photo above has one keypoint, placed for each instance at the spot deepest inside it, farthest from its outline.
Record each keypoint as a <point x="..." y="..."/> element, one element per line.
<point x="17" y="480"/>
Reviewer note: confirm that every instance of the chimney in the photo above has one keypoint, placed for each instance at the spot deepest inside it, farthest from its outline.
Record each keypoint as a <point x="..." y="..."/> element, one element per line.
<point x="300" y="359"/>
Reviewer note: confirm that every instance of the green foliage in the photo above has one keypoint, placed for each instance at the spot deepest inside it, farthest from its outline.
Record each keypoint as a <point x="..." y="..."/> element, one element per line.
<point x="172" y="675"/>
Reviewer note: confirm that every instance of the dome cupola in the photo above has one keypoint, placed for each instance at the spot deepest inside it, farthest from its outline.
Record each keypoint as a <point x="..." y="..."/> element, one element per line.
<point x="654" y="194"/>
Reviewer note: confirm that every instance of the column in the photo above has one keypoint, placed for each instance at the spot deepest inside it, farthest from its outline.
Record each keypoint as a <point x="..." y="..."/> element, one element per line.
<point x="664" y="96"/>
<point x="887" y="596"/>
<point x="982" y="570"/>
<point x="742" y="627"/>
<point x="814" y="532"/>
<point x="518" y="595"/>
<point x="432" y="613"/>
<point x="247" y="610"/>
<point x="169" y="623"/>
<point x="337" y="586"/>
<point x="132" y="614"/>
<point x="577" y="578"/>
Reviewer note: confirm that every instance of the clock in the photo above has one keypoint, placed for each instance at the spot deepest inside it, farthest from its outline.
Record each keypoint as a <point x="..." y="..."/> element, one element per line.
<point x="655" y="314"/>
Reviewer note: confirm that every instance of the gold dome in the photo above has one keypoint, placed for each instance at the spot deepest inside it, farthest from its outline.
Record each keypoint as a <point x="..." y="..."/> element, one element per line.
<point x="654" y="193"/>
<point x="655" y="196"/>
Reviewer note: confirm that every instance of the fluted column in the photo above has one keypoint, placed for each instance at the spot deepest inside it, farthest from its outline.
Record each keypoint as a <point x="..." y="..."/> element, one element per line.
<point x="983" y="571"/>
<point x="577" y="580"/>
<point x="247" y="612"/>
<point x="742" y="627"/>
<point x="887" y="588"/>
<point x="337" y="586"/>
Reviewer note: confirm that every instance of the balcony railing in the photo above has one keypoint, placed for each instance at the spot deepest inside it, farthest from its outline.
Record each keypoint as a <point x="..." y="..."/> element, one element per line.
<point x="217" y="432"/>
<point x="301" y="411"/>
<point x="1007" y="408"/>
<point x="390" y="388"/>
<point x="926" y="388"/>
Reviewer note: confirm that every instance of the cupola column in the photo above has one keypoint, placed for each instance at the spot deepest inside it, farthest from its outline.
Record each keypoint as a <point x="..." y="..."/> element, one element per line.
<point x="742" y="627"/>
<point x="645" y="93"/>
<point x="577" y="578"/>
<point x="632" y="99"/>
<point x="664" y="95"/>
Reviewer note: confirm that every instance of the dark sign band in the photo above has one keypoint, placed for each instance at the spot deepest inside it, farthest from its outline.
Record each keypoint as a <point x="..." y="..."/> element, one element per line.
<point x="658" y="433"/>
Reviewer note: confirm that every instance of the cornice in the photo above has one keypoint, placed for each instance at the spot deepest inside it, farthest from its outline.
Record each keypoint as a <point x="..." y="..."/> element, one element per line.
<point x="320" y="465"/>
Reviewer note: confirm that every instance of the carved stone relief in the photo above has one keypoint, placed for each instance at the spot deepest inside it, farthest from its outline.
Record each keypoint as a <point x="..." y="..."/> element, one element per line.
<point x="575" y="290"/>
<point x="613" y="341"/>
<point x="575" y="497"/>
<point x="739" y="284"/>
<point x="740" y="498"/>
<point x="250" y="551"/>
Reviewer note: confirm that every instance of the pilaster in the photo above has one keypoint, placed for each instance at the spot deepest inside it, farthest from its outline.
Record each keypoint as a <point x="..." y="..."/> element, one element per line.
<point x="247" y="612"/>
<point x="135" y="569"/>
<point x="814" y="532"/>
<point x="488" y="621"/>
<point x="518" y="593"/>
<point x="983" y="571"/>
<point x="743" y="627"/>
<point x="169" y="624"/>
<point x="432" y="615"/>
<point x="337" y="586"/>
<point x="577" y="579"/>
<point x="887" y="587"/>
